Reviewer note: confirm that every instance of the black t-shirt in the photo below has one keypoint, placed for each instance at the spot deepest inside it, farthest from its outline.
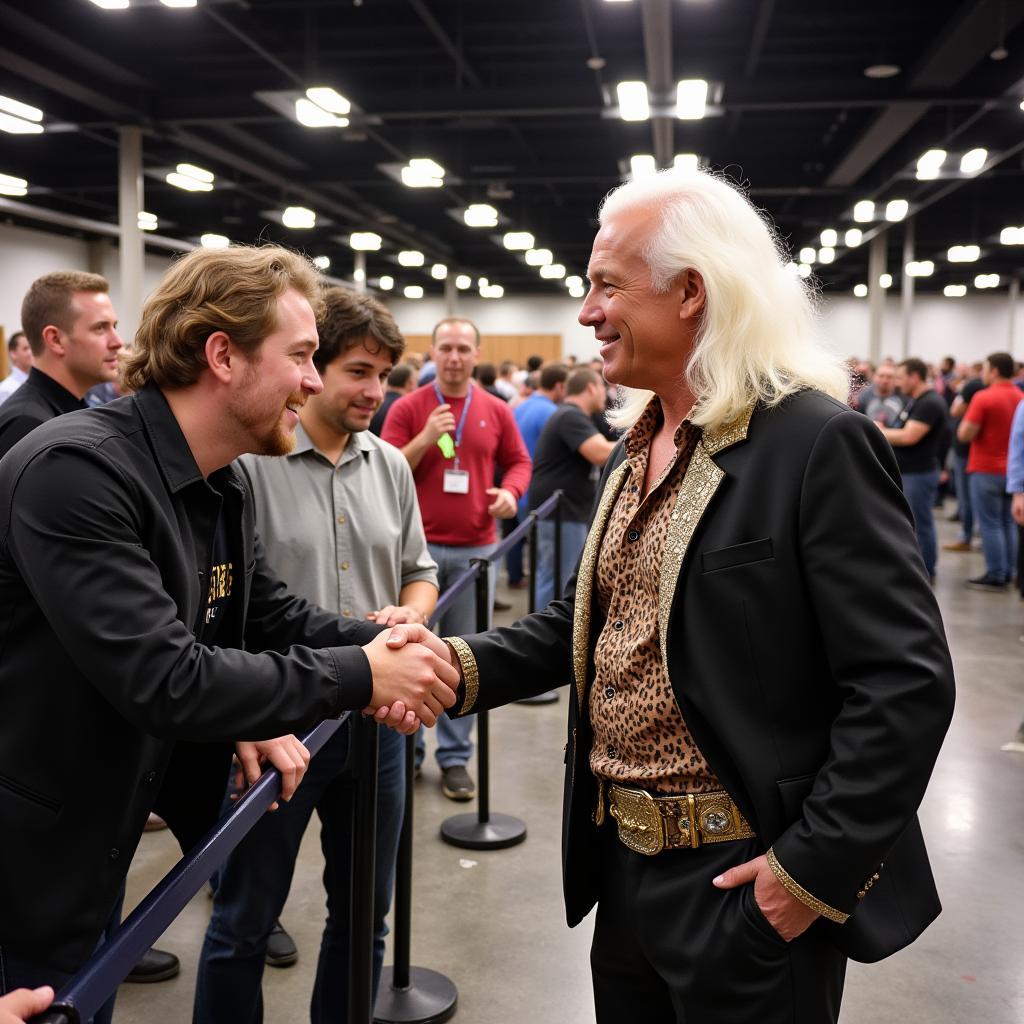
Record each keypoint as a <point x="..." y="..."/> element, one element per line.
<point x="967" y="392"/>
<point x="923" y="456"/>
<point x="557" y="463"/>
<point x="221" y="585"/>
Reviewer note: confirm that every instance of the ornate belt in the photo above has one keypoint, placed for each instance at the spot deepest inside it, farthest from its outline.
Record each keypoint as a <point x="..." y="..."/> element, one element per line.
<point x="650" y="824"/>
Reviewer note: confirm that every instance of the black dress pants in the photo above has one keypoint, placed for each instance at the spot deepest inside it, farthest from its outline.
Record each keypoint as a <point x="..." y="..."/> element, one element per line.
<point x="670" y="948"/>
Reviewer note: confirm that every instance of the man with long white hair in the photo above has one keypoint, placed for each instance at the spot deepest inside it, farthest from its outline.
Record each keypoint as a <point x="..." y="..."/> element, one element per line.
<point x="761" y="681"/>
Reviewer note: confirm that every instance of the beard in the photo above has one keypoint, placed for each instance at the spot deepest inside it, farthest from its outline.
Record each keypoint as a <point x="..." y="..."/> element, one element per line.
<point x="260" y="420"/>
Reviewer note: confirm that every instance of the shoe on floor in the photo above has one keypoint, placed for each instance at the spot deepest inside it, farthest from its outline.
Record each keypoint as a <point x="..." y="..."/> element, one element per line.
<point x="502" y="606"/>
<point x="987" y="582"/>
<point x="281" y="948"/>
<point x="519" y="585"/>
<point x="960" y="545"/>
<point x="456" y="783"/>
<point x="155" y="965"/>
<point x="154" y="823"/>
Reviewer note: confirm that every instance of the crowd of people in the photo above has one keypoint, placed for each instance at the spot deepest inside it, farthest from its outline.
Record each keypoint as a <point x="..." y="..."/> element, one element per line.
<point x="253" y="536"/>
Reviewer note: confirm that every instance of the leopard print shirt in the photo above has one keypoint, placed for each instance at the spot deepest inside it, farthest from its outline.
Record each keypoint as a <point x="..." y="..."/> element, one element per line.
<point x="640" y="737"/>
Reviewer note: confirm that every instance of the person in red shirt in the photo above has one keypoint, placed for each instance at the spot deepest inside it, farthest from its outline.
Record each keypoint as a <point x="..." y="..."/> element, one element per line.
<point x="986" y="426"/>
<point x="454" y="435"/>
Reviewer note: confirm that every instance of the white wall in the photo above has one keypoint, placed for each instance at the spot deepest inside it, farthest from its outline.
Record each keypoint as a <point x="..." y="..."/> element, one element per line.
<point x="968" y="328"/>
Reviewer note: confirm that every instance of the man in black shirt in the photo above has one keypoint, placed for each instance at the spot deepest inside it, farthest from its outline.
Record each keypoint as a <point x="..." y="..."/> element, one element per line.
<point x="72" y="328"/>
<point x="568" y="449"/>
<point x="401" y="380"/>
<point x="916" y="444"/>
<point x="137" y="610"/>
<point x="961" y="451"/>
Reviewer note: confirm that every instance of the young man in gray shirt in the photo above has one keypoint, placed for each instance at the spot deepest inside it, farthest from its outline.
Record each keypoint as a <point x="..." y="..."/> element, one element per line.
<point x="340" y="522"/>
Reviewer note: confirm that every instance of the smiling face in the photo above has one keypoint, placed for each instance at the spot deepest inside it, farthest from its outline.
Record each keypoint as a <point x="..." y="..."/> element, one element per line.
<point x="645" y="336"/>
<point x="277" y="380"/>
<point x="353" y="389"/>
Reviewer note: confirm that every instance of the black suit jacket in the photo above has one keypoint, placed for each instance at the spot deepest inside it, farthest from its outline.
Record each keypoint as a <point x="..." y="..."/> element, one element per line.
<point x="106" y="536"/>
<point x="804" y="647"/>
<point x="39" y="399"/>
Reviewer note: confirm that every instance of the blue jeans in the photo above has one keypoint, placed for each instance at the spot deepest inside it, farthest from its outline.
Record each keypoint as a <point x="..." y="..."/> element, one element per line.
<point x="454" y="746"/>
<point x="514" y="555"/>
<point x="995" y="524"/>
<point x="963" y="497"/>
<point x="253" y="885"/>
<point x="574" y="536"/>
<point x="920" y="490"/>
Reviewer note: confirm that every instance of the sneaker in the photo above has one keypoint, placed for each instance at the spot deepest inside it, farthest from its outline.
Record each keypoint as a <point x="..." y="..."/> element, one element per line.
<point x="281" y="948"/>
<point x="155" y="965"/>
<point x="502" y="606"/>
<point x="960" y="545"/>
<point x="456" y="783"/>
<point x="987" y="582"/>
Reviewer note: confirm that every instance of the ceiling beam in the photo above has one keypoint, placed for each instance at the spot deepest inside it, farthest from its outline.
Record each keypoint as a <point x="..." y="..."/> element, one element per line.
<point x="656" y="17"/>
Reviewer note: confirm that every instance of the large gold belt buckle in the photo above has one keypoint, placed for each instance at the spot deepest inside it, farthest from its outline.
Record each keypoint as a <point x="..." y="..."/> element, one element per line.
<point x="637" y="819"/>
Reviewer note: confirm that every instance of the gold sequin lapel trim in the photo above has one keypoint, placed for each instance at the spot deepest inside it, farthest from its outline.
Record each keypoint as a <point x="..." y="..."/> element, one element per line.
<point x="585" y="580"/>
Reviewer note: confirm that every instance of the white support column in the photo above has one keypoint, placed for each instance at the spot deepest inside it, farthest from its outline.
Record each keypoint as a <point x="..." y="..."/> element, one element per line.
<point x="359" y="271"/>
<point x="132" y="252"/>
<point x="450" y="295"/>
<point x="908" y="291"/>
<point x="1011" y="341"/>
<point x="876" y="296"/>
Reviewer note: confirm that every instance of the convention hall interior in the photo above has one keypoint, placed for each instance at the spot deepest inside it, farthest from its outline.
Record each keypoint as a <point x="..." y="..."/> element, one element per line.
<point x="449" y="157"/>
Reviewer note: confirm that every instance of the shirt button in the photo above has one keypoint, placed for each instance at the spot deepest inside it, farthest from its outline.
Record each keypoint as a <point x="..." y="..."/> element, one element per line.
<point x="342" y="520"/>
<point x="633" y="535"/>
<point x="618" y="624"/>
<point x="612" y="752"/>
<point x="114" y="853"/>
<point x="609" y="692"/>
<point x="347" y="612"/>
<point x="343" y="565"/>
<point x="149" y="777"/>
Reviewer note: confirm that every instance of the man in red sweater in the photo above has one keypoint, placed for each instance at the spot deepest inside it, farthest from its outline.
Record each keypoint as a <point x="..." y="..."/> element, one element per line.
<point x="455" y="435"/>
<point x="986" y="426"/>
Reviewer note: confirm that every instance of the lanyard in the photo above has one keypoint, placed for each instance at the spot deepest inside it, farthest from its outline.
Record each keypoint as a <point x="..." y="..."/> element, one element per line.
<point x="462" y="418"/>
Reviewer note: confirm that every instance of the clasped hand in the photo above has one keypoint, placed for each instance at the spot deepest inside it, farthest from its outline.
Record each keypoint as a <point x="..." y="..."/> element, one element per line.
<point x="413" y="677"/>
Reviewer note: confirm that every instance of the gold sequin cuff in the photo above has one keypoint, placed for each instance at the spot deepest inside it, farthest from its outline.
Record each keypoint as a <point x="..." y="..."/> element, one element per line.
<point x="470" y="673"/>
<point x="794" y="888"/>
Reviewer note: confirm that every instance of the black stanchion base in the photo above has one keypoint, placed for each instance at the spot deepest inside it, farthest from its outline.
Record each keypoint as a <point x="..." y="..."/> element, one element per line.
<point x="547" y="697"/>
<point x="429" y="999"/>
<point x="497" y="833"/>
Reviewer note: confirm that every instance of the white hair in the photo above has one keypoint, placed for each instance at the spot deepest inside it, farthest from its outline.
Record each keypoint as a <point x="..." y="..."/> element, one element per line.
<point x="757" y="339"/>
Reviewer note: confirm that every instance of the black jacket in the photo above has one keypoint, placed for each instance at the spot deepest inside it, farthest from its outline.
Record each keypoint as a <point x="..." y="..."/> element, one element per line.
<point x="106" y="529"/>
<point x="39" y="399"/>
<point x="806" y="652"/>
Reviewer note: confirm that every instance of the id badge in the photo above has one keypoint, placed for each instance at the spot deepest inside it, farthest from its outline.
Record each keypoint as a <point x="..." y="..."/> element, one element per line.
<point x="456" y="481"/>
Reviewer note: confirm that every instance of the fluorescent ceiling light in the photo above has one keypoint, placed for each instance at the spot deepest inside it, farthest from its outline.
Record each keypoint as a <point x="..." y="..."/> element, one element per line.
<point x="198" y="173"/>
<point x="364" y="241"/>
<point x="463" y="281"/>
<point x="575" y="281"/>
<point x="298" y="217"/>
<point x="179" y="3"/>
<point x="691" y="99"/>
<point x="853" y="238"/>
<point x="830" y="238"/>
<point x="552" y="270"/>
<point x="359" y="275"/>
<point x="422" y="172"/>
<point x="864" y="211"/>
<point x="492" y="291"/>
<point x="410" y="258"/>
<point x="322" y="262"/>
<point x="987" y="281"/>
<point x="1012" y="236"/>
<point x="896" y="209"/>
<point x="963" y="253"/>
<point x="882" y="70"/>
<point x="329" y="99"/>
<point x="792" y="267"/>
<point x="19" y="109"/>
<point x="538" y="257"/>
<point x="973" y="160"/>
<point x="112" y="5"/>
<point x="826" y="254"/>
<point x="312" y="115"/>
<point x="576" y="293"/>
<point x="518" y="240"/>
<point x="929" y="164"/>
<point x="386" y="283"/>
<point x="413" y="291"/>
<point x="147" y="221"/>
<point x="482" y="282"/>
<point x="12" y="186"/>
<point x="214" y="241"/>
<point x="438" y="271"/>
<point x="18" y="126"/>
<point x="633" y="104"/>
<point x="480" y="215"/>
<point x="642" y="166"/>
<point x="804" y="270"/>
<point x="191" y="178"/>
<point x="885" y="281"/>
<point x="860" y="290"/>
<point x="920" y="268"/>
<point x="686" y="162"/>
<point x="807" y="255"/>
<point x="955" y="291"/>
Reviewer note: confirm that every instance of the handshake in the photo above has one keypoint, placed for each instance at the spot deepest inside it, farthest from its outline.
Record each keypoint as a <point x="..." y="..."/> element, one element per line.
<point x="414" y="679"/>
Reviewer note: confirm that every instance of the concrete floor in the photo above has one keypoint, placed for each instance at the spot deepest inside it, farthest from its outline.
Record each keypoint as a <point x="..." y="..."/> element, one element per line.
<point x="493" y="921"/>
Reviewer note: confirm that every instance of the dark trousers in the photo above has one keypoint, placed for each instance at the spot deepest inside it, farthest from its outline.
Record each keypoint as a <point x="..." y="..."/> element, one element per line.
<point x="670" y="948"/>
<point x="252" y="888"/>
<point x="514" y="555"/>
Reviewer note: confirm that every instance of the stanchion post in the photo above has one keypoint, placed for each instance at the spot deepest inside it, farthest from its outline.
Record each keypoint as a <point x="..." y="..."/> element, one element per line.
<point x="559" y="582"/>
<point x="534" y="529"/>
<point x="365" y="741"/>
<point x="483" y="734"/>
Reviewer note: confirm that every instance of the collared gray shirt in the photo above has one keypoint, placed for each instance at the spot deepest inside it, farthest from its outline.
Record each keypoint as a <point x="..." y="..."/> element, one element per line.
<point x="347" y="537"/>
